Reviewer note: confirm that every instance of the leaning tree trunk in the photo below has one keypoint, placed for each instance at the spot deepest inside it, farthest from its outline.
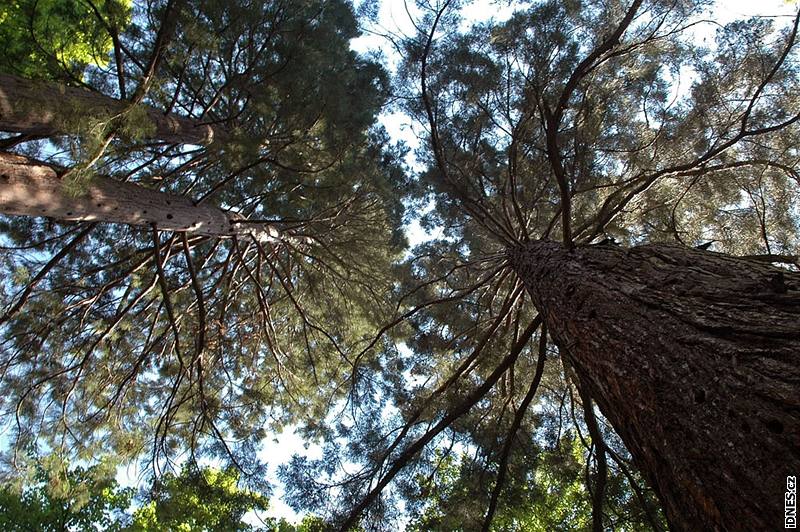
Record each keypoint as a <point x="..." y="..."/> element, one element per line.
<point x="33" y="188"/>
<point x="45" y="109"/>
<point x="694" y="357"/>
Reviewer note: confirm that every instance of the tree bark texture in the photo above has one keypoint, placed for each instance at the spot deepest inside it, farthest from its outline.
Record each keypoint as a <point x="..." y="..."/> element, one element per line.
<point x="694" y="357"/>
<point x="40" y="107"/>
<point x="33" y="188"/>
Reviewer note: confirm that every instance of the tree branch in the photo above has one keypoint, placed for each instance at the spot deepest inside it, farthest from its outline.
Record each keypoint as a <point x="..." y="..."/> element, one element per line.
<point x="518" y="417"/>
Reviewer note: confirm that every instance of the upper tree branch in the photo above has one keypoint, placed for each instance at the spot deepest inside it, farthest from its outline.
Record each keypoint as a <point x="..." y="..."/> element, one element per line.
<point x="619" y="199"/>
<point x="43" y="109"/>
<point x="518" y="417"/>
<point x="472" y="206"/>
<point x="553" y="117"/>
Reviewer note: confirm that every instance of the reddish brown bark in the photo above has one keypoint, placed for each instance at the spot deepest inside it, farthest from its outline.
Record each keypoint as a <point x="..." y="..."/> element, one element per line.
<point x="43" y="108"/>
<point x="33" y="188"/>
<point x="694" y="357"/>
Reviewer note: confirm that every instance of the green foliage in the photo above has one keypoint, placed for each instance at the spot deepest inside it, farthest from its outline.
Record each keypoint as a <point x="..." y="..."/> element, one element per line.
<point x="280" y="322"/>
<point x="45" y="38"/>
<point x="309" y="523"/>
<point x="546" y="493"/>
<point x="59" y="498"/>
<point x="204" y="499"/>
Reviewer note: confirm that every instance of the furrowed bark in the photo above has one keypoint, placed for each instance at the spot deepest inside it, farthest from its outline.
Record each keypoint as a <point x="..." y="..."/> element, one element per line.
<point x="42" y="108"/>
<point x="33" y="188"/>
<point x="694" y="357"/>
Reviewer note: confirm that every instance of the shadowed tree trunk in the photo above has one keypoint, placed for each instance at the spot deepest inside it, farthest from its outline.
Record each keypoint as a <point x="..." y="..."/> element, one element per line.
<point x="694" y="357"/>
<point x="33" y="188"/>
<point x="43" y="108"/>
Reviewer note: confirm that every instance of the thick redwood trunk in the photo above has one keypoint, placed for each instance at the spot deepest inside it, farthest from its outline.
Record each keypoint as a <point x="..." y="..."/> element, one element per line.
<point x="46" y="108"/>
<point x="694" y="357"/>
<point x="33" y="188"/>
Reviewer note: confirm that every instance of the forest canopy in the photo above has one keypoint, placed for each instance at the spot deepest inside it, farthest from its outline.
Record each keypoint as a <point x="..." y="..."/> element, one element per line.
<point x="207" y="239"/>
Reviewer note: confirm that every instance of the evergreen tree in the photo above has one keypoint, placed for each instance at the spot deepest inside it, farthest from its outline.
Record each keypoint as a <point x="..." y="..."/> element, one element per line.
<point x="139" y="332"/>
<point x="602" y="125"/>
<point x="605" y="126"/>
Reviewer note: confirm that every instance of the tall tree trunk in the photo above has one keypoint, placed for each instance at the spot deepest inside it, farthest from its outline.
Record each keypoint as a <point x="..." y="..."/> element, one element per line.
<point x="694" y="357"/>
<point x="46" y="108"/>
<point x="33" y="188"/>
